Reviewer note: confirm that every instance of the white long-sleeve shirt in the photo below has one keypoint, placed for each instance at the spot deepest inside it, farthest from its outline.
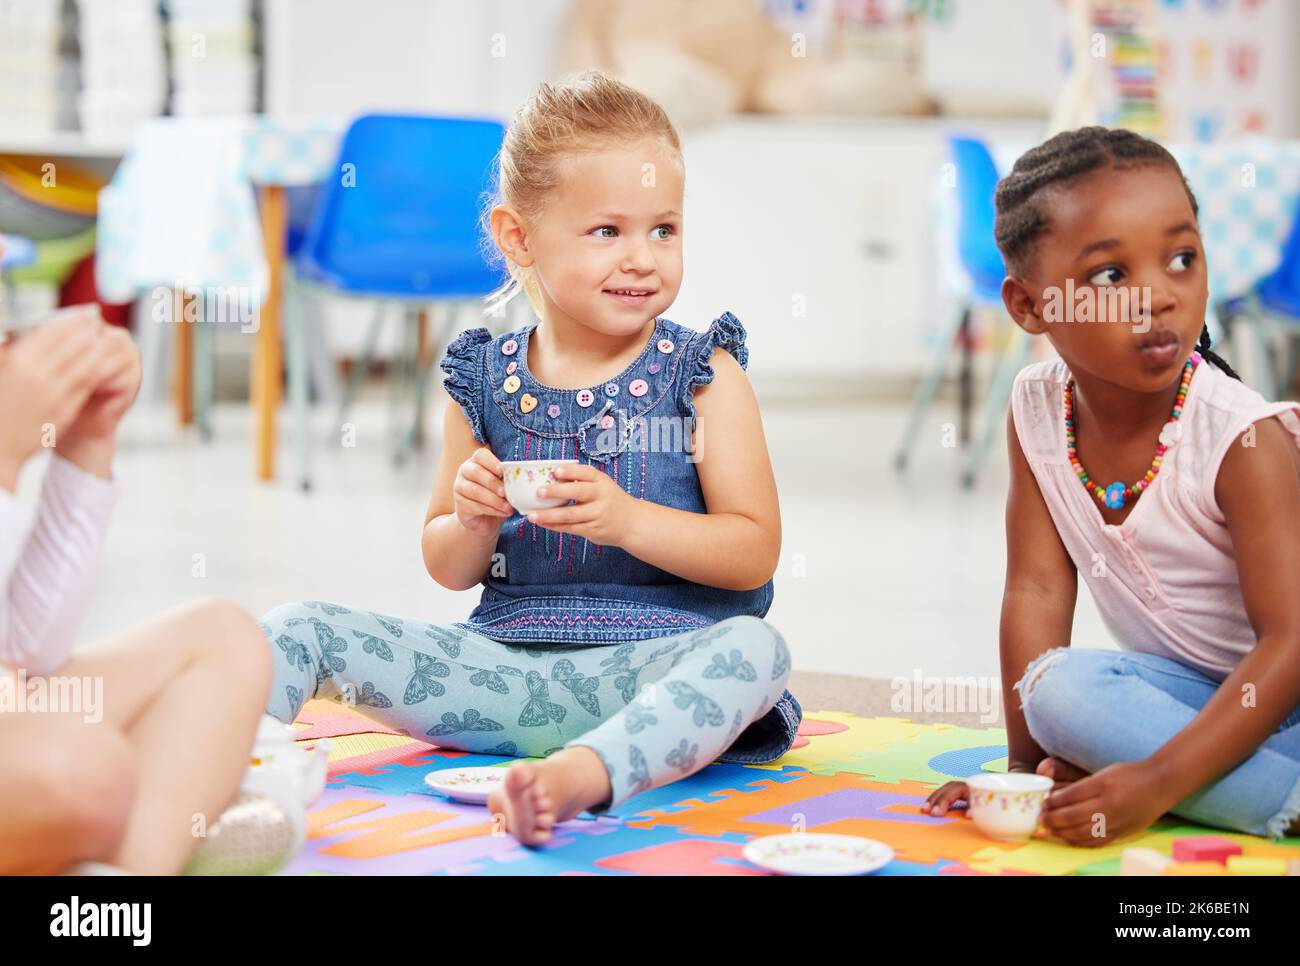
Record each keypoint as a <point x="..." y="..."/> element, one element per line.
<point x="48" y="559"/>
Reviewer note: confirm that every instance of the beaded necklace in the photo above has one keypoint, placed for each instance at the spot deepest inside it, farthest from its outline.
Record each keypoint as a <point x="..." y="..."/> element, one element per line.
<point x="1117" y="495"/>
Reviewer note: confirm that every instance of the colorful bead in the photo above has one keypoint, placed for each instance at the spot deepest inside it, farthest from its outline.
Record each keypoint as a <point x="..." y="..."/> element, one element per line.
<point x="1117" y="494"/>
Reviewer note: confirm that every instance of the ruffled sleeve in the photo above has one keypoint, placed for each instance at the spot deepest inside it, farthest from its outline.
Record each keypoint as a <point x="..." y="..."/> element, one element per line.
<point x="463" y="364"/>
<point x="725" y="331"/>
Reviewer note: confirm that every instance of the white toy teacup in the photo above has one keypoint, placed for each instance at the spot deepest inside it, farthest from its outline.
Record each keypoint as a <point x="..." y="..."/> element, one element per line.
<point x="286" y="772"/>
<point x="1006" y="806"/>
<point x="523" y="478"/>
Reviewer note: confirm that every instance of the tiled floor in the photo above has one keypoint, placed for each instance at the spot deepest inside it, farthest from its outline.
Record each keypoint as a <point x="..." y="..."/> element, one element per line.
<point x="880" y="575"/>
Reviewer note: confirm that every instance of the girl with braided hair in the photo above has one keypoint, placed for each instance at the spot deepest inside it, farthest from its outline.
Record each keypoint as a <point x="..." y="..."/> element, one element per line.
<point x="1192" y="554"/>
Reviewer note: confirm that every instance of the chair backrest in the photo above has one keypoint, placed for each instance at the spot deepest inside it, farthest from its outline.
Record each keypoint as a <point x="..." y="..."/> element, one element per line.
<point x="1281" y="290"/>
<point x="977" y="179"/>
<point x="399" y="215"/>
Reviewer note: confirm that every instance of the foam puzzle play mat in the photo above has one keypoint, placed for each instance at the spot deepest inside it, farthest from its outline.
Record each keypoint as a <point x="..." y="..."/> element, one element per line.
<point x="845" y="774"/>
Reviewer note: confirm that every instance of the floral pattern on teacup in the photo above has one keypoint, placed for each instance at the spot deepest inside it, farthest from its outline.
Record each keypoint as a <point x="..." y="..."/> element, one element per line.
<point x="1008" y="801"/>
<point x="534" y="474"/>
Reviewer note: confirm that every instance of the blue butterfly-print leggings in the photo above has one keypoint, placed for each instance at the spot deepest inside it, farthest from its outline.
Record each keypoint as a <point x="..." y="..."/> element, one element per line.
<point x="654" y="710"/>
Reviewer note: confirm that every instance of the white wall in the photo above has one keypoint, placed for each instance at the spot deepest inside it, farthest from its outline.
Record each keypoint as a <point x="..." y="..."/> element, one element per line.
<point x="341" y="57"/>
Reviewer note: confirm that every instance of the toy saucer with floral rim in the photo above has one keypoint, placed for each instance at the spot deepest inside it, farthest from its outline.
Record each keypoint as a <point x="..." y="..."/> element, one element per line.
<point x="469" y="785"/>
<point x="818" y="853"/>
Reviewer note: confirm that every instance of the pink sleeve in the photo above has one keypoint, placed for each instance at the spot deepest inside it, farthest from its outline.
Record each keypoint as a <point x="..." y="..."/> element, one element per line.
<point x="1288" y="414"/>
<point x="47" y="567"/>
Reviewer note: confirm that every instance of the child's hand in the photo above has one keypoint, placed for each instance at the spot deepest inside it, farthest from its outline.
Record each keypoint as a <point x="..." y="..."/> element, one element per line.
<point x="479" y="493"/>
<point x="603" y="510"/>
<point x="943" y="798"/>
<point x="1061" y="772"/>
<point x="46" y="376"/>
<point x="1118" y="801"/>
<point x="119" y="381"/>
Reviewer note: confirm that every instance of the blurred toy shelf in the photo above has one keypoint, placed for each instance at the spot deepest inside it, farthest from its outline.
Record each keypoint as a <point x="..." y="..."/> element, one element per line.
<point x="816" y="233"/>
<point x="63" y="144"/>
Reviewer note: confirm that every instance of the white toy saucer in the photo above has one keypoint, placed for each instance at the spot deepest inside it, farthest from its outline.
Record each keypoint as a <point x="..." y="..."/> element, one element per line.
<point x="818" y="853"/>
<point x="469" y="785"/>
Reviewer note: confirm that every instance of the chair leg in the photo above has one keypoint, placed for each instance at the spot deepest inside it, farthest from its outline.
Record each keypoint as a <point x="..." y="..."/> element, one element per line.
<point x="1014" y="358"/>
<point x="154" y="338"/>
<point x="426" y="319"/>
<point x="445" y="318"/>
<point x="204" y="376"/>
<point x="967" y="377"/>
<point x="402" y="372"/>
<point x="322" y="373"/>
<point x="362" y="367"/>
<point x="1262" y="329"/>
<point x="297" y="364"/>
<point x="925" y="392"/>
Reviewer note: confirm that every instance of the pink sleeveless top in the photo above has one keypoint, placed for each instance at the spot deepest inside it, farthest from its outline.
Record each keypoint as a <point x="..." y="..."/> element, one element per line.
<point x="1165" y="580"/>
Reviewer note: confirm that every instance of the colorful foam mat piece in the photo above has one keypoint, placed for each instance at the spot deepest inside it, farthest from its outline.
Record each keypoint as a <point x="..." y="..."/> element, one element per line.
<point x="845" y="774"/>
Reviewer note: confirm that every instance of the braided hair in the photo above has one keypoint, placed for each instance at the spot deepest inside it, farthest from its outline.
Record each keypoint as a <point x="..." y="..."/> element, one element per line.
<point x="1019" y="212"/>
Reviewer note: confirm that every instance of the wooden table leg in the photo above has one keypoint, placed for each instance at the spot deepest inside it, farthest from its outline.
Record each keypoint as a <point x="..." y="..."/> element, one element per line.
<point x="266" y="364"/>
<point x="183" y="381"/>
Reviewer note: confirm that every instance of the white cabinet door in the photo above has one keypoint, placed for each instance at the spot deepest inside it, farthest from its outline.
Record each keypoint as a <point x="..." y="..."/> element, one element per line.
<point x="813" y="234"/>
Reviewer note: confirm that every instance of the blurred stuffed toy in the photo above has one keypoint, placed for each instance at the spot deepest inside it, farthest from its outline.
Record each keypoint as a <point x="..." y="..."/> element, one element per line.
<point x="705" y="61"/>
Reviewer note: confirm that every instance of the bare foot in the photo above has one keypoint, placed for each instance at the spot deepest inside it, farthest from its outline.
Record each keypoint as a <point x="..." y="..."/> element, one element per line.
<point x="538" y="794"/>
<point x="1060" y="771"/>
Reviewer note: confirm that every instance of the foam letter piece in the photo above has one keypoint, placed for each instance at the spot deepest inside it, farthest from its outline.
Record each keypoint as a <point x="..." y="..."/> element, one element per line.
<point x="1195" y="868"/>
<point x="1143" y="862"/>
<point x="1205" y="848"/>
<point x="1248" y="865"/>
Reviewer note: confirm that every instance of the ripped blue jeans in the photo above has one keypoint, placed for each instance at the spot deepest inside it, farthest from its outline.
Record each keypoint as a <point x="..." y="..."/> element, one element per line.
<point x="1095" y="708"/>
<point x="654" y="710"/>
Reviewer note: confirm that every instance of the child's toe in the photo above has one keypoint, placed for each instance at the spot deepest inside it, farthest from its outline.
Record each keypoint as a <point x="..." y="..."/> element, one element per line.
<point x="518" y="778"/>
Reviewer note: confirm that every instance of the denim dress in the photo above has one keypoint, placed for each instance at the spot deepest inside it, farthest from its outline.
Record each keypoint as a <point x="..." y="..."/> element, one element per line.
<point x="552" y="588"/>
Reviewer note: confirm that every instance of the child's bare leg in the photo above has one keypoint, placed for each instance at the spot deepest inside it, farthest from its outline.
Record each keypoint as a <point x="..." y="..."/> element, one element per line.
<point x="188" y="689"/>
<point x="66" y="793"/>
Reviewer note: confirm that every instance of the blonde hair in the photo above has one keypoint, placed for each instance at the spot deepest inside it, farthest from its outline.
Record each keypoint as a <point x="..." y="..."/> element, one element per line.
<point x="587" y="112"/>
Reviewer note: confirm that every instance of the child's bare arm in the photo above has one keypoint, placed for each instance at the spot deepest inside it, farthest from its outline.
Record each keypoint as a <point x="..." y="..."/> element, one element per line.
<point x="1258" y="490"/>
<point x="465" y="509"/>
<point x="739" y="489"/>
<point x="1038" y="598"/>
<point x="1038" y="601"/>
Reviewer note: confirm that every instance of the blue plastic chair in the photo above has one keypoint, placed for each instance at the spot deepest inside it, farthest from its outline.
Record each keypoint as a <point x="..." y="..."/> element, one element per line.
<point x="16" y="250"/>
<point x="399" y="223"/>
<point x="1276" y="305"/>
<point x="977" y="179"/>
